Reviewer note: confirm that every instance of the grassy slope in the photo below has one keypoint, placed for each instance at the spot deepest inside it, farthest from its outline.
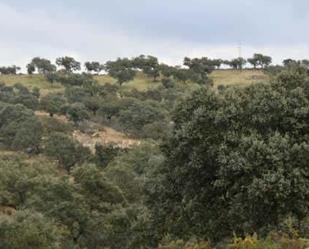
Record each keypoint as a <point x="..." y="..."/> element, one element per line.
<point x="31" y="81"/>
<point x="220" y="77"/>
<point x="237" y="77"/>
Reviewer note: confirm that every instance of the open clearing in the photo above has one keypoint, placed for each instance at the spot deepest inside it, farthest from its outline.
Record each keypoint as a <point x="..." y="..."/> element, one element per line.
<point x="99" y="134"/>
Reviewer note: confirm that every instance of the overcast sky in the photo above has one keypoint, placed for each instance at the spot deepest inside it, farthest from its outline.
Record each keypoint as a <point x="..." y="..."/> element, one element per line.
<point x="170" y="29"/>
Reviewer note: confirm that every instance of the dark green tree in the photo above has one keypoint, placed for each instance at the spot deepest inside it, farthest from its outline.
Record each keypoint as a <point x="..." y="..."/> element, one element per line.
<point x="200" y="68"/>
<point x="105" y="154"/>
<point x="52" y="103"/>
<point x="260" y="60"/>
<point x="67" y="151"/>
<point x="19" y="128"/>
<point x="29" y="230"/>
<point x="234" y="158"/>
<point x="77" y="112"/>
<point x="43" y="66"/>
<point x="68" y="63"/>
<point x="30" y="68"/>
<point x="9" y="70"/>
<point x="289" y="62"/>
<point x="237" y="63"/>
<point x="93" y="66"/>
<point x="121" y="69"/>
<point x="148" y="64"/>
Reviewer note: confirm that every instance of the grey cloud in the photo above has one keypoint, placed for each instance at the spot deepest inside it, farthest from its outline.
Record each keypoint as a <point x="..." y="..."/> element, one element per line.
<point x="169" y="29"/>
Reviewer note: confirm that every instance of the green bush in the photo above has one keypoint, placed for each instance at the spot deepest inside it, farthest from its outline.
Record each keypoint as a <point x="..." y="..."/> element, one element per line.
<point x="19" y="128"/>
<point x="29" y="230"/>
<point x="180" y="244"/>
<point x="67" y="151"/>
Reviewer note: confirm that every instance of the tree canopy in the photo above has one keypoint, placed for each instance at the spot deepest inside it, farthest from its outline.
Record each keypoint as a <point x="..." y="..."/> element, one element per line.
<point x="234" y="158"/>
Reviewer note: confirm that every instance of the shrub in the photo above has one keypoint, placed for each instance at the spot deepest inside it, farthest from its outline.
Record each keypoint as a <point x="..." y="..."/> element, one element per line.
<point x="29" y="230"/>
<point x="251" y="242"/>
<point x="168" y="83"/>
<point x="180" y="244"/>
<point x="71" y="79"/>
<point x="51" y="125"/>
<point x="67" y="151"/>
<point x="136" y="116"/>
<point x="52" y="103"/>
<point x="77" y="112"/>
<point x="19" y="128"/>
<point x="105" y="154"/>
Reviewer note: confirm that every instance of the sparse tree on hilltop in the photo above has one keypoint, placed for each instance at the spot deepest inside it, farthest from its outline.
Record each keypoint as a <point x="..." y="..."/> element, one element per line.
<point x="148" y="64"/>
<point x="121" y="69"/>
<point x="200" y="68"/>
<point x="238" y="63"/>
<point x="43" y="66"/>
<point x="289" y="62"/>
<point x="260" y="60"/>
<point x="9" y="70"/>
<point x="93" y="66"/>
<point x="69" y="63"/>
<point x="30" y="68"/>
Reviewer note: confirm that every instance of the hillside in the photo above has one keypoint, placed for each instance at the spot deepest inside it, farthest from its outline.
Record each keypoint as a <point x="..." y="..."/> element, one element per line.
<point x="99" y="164"/>
<point x="141" y="82"/>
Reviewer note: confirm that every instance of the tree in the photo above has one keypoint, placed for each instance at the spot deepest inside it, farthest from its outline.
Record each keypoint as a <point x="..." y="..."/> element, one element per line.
<point x="140" y="113"/>
<point x="110" y="108"/>
<point x="19" y="128"/>
<point x="30" y="68"/>
<point x="200" y="68"/>
<point x="289" y="62"/>
<point x="51" y="77"/>
<point x="72" y="79"/>
<point x="148" y="64"/>
<point x="105" y="154"/>
<point x="18" y="179"/>
<point x="234" y="158"/>
<point x="52" y="103"/>
<point x="129" y="169"/>
<point x="77" y="112"/>
<point x="168" y="83"/>
<point x="265" y="61"/>
<point x="93" y="67"/>
<point x="69" y="63"/>
<point x="237" y="63"/>
<point x="253" y="61"/>
<point x="96" y="187"/>
<point x="121" y="69"/>
<point x="166" y="70"/>
<point x="19" y="94"/>
<point x="9" y="70"/>
<point x="93" y="103"/>
<point x="65" y="150"/>
<point x="29" y="230"/>
<point x="28" y="136"/>
<point x="183" y="74"/>
<point x="260" y="60"/>
<point x="217" y="63"/>
<point x="43" y="66"/>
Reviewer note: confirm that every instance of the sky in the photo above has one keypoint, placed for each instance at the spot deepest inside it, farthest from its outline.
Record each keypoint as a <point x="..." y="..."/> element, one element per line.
<point x="104" y="30"/>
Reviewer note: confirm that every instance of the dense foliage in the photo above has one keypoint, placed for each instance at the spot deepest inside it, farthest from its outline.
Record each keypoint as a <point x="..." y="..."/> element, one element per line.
<point x="208" y="167"/>
<point x="235" y="157"/>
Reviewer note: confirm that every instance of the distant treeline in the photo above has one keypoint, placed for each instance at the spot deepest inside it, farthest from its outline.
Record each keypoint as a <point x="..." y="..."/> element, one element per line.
<point x="125" y="69"/>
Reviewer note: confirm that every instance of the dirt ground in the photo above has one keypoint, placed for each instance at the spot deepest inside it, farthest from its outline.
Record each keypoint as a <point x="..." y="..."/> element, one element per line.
<point x="105" y="135"/>
<point x="99" y="135"/>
